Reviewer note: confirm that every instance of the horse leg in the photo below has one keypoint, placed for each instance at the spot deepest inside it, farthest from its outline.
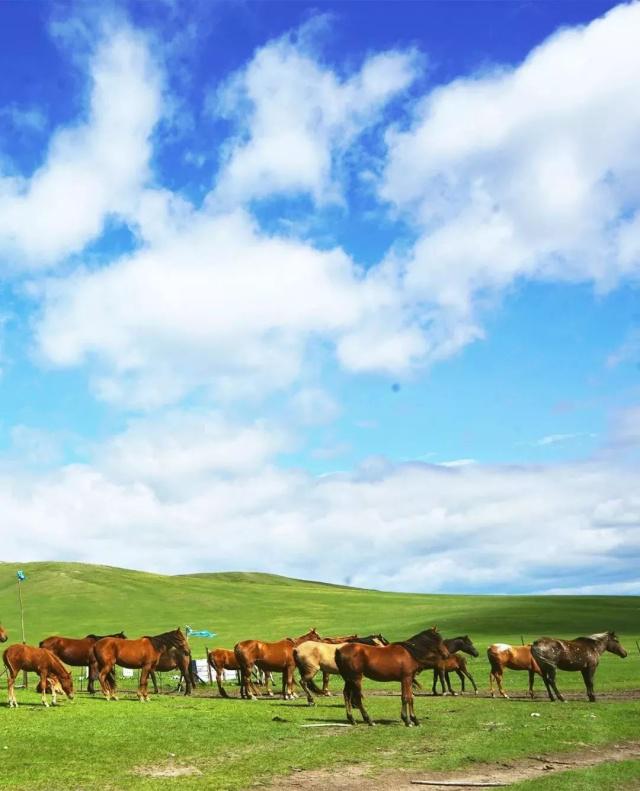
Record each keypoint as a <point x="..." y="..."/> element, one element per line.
<point x="499" y="677"/>
<point x="325" y="684"/>
<point x="143" y="687"/>
<point x="470" y="677"/>
<point x="587" y="675"/>
<point x="412" y="714"/>
<point x="219" y="677"/>
<point x="346" y="693"/>
<point x="436" y="676"/>
<point x="546" y="677"/>
<point x="11" y="691"/>
<point x="43" y="684"/>
<point x="406" y="696"/>
<point x="154" y="682"/>
<point x="445" y="674"/>
<point x="552" y="681"/>
<point x="307" y="691"/>
<point x="358" y="699"/>
<point x="415" y="683"/>
<point x="268" y="681"/>
<point x="532" y="675"/>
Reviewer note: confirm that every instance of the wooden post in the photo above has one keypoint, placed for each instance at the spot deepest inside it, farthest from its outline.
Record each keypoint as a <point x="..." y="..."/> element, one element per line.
<point x="638" y="646"/>
<point x="25" y="675"/>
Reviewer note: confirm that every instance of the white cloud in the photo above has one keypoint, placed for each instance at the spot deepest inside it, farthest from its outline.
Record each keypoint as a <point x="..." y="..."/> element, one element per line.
<point x="92" y="169"/>
<point x="555" y="439"/>
<point x="217" y="304"/>
<point x="527" y="172"/>
<point x="296" y="117"/>
<point x="409" y="527"/>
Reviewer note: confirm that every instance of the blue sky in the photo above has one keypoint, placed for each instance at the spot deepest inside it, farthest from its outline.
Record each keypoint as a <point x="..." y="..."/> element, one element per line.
<point x="359" y="275"/>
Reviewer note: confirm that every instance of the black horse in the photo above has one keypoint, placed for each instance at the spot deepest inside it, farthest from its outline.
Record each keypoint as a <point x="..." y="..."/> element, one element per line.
<point x="454" y="664"/>
<point x="581" y="654"/>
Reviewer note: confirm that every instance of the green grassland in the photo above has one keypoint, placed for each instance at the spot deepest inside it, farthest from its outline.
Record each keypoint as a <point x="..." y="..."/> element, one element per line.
<point x="233" y="744"/>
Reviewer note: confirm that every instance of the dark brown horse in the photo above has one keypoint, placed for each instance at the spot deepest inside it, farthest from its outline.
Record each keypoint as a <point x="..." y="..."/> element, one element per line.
<point x="270" y="657"/>
<point x="3" y="635"/>
<point x="454" y="664"/>
<point x="175" y="659"/>
<point x="144" y="654"/>
<point x="394" y="662"/>
<point x="36" y="660"/>
<point x="514" y="657"/>
<point x="312" y="656"/>
<point x="581" y="654"/>
<point x="78" y="652"/>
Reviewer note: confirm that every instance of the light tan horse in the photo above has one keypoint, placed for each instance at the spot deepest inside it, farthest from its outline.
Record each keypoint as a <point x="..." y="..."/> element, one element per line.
<point x="271" y="657"/>
<point x="3" y="635"/>
<point x="515" y="657"/>
<point x="312" y="656"/>
<point x="53" y="674"/>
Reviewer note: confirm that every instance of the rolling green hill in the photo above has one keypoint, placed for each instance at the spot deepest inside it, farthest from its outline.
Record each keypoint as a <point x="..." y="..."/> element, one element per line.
<point x="75" y="598"/>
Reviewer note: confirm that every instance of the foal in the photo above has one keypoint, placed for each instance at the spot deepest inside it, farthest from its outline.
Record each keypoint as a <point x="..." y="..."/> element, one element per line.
<point x="454" y="664"/>
<point x="394" y="662"/>
<point x="581" y="654"/>
<point x="52" y="672"/>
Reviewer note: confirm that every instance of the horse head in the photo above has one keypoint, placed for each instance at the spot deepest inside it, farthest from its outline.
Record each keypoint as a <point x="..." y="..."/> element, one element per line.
<point x="614" y="645"/>
<point x="3" y="635"/>
<point x="467" y="646"/>
<point x="312" y="634"/>
<point x="378" y="639"/>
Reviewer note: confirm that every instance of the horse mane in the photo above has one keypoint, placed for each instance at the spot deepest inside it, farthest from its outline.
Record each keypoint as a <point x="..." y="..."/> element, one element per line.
<point x="161" y="642"/>
<point x="97" y="637"/>
<point x="57" y="664"/>
<point x="420" y="644"/>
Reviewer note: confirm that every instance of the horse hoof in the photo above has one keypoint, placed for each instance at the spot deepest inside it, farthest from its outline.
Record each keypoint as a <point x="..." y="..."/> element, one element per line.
<point x="370" y="723"/>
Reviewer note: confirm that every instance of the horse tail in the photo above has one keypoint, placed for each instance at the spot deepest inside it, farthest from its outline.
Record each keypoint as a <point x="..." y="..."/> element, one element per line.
<point x="212" y="660"/>
<point x="6" y="662"/>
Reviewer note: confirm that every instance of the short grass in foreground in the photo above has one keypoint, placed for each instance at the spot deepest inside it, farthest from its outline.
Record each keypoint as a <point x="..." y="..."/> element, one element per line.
<point x="234" y="744"/>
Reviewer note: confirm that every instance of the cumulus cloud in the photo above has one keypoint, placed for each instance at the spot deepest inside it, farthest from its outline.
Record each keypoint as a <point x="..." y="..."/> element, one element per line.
<point x="215" y="304"/>
<point x="528" y="172"/>
<point x="92" y="169"/>
<point x="406" y="527"/>
<point x="295" y="117"/>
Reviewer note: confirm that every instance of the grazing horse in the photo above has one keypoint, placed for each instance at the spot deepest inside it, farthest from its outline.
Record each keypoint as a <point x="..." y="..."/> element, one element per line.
<point x="272" y="657"/>
<point x="144" y="653"/>
<point x="311" y="656"/>
<point x="393" y="662"/>
<point x="581" y="654"/>
<point x="78" y="652"/>
<point x="52" y="672"/>
<point x="3" y="635"/>
<point x="454" y="663"/>
<point x="515" y="657"/>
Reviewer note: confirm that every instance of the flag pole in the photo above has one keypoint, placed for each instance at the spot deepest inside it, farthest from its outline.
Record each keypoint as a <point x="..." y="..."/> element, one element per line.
<point x="21" y="576"/>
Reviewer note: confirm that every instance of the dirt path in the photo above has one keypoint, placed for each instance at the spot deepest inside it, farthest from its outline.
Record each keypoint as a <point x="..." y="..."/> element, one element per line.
<point x="356" y="778"/>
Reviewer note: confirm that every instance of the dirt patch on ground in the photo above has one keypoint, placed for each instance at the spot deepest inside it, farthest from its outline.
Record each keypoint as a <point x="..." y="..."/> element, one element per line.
<point x="167" y="770"/>
<point x="358" y="778"/>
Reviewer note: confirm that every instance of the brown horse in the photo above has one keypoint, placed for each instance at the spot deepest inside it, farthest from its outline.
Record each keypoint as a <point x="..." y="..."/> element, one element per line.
<point x="581" y="654"/>
<point x="222" y="659"/>
<point x="394" y="662"/>
<point x="144" y="653"/>
<point x="3" y="635"/>
<point x="272" y="657"/>
<point x="312" y="656"/>
<point x="515" y="657"/>
<point x="78" y="652"/>
<point x="175" y="659"/>
<point x="454" y="663"/>
<point x="36" y="660"/>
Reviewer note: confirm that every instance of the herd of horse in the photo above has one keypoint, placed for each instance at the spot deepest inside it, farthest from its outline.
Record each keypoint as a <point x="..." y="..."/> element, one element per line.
<point x="351" y="657"/>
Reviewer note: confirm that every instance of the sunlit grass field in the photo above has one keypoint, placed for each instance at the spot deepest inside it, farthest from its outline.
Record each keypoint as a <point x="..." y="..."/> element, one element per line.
<point x="232" y="744"/>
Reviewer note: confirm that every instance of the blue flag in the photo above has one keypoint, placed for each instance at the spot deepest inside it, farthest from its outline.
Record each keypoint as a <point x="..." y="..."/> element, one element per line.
<point x="21" y="576"/>
<point x="199" y="632"/>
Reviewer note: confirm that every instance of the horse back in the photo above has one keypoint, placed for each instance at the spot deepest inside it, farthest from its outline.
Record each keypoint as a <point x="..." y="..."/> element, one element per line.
<point x="380" y="663"/>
